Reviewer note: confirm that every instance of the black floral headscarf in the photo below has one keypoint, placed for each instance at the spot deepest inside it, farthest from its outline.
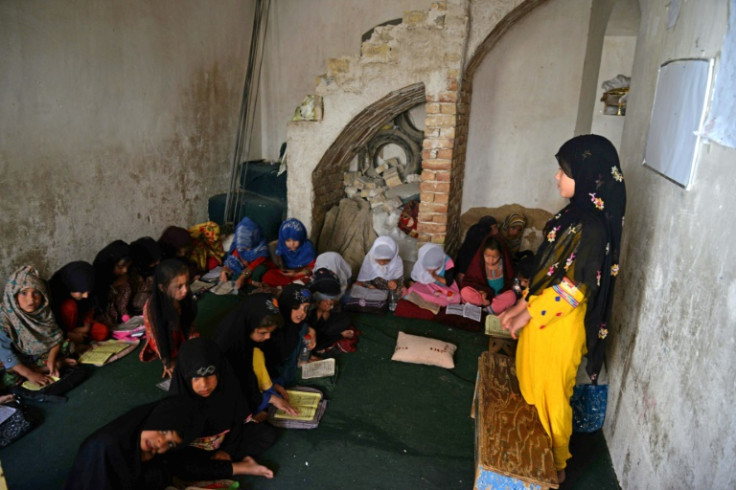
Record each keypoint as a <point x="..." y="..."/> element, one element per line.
<point x="583" y="240"/>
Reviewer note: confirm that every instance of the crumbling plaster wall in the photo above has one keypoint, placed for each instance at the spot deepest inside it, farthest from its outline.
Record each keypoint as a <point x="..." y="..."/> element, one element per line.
<point x="118" y="120"/>
<point x="671" y="357"/>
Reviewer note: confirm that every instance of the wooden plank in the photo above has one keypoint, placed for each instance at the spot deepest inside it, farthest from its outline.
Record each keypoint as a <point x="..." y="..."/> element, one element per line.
<point x="509" y="436"/>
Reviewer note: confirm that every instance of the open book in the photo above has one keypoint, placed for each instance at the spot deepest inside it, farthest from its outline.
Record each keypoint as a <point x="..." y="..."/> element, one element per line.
<point x="308" y="401"/>
<point x="368" y="294"/>
<point x="318" y="369"/>
<point x="494" y="328"/>
<point x="101" y="353"/>
<point x="422" y="303"/>
<point x="465" y="310"/>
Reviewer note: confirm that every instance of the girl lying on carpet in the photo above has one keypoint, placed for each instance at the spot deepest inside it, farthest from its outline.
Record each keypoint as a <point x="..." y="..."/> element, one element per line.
<point x="226" y="445"/>
<point x="125" y="454"/>
<point x="241" y="337"/>
<point x="168" y="315"/>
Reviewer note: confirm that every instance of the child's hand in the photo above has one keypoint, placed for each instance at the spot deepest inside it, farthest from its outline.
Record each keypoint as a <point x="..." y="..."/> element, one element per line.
<point x="392" y="285"/>
<point x="281" y="391"/>
<point x="282" y="404"/>
<point x="53" y="368"/>
<point x="240" y="281"/>
<point x="39" y="378"/>
<point x="313" y="339"/>
<point x="223" y="275"/>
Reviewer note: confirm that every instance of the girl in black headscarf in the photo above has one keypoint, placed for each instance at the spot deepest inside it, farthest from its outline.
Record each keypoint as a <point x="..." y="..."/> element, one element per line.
<point x="241" y="337"/>
<point x="226" y="444"/>
<point x="112" y="287"/>
<point x="168" y="315"/>
<point x="122" y="455"/>
<point x="146" y="255"/>
<point x="72" y="289"/>
<point x="567" y="307"/>
<point x="282" y="350"/>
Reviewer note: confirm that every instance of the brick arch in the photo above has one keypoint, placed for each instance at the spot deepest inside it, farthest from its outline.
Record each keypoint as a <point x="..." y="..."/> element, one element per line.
<point x="327" y="180"/>
<point x="463" y="114"/>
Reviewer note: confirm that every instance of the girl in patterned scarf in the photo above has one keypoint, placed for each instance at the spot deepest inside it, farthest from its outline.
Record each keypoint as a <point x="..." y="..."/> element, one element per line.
<point x="567" y="308"/>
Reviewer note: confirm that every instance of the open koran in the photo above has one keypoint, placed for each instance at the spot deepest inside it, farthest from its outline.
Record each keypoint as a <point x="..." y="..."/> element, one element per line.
<point x="465" y="310"/>
<point x="308" y="401"/>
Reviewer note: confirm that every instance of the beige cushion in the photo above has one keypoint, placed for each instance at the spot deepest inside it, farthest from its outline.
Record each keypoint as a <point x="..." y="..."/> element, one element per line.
<point x="423" y="350"/>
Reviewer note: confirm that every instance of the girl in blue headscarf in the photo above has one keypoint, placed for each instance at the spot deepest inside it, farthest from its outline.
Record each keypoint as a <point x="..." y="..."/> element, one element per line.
<point x="295" y="255"/>
<point x="248" y="257"/>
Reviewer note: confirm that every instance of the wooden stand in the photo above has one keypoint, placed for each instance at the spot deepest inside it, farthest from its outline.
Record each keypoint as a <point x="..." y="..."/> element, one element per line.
<point x="512" y="450"/>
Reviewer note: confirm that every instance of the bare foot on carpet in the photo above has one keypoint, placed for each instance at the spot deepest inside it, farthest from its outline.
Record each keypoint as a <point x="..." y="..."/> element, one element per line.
<point x="250" y="466"/>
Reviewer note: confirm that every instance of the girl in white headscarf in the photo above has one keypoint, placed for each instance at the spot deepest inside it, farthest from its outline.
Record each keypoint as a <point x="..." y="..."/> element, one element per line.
<point x="433" y="276"/>
<point x="382" y="267"/>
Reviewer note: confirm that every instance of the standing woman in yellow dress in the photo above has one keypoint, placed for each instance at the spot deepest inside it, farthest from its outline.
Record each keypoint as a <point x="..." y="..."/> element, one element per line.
<point x="567" y="308"/>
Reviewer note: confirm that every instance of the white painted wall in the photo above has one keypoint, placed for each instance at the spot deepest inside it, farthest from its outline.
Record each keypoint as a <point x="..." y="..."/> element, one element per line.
<point x="524" y="106"/>
<point x="118" y="120"/>
<point x="671" y="362"/>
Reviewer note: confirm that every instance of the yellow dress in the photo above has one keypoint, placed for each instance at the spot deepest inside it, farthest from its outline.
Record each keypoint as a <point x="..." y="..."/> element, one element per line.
<point x="550" y="348"/>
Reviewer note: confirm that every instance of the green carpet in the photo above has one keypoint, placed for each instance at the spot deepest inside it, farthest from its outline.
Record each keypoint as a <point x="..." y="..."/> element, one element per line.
<point x="388" y="425"/>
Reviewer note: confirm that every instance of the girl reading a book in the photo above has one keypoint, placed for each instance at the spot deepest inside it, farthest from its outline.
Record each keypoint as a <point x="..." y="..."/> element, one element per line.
<point x="382" y="266"/>
<point x="433" y="276"/>
<point x="295" y="255"/>
<point x="282" y="349"/>
<point x="126" y="453"/>
<point x="334" y="328"/>
<point x="72" y="288"/>
<point x="30" y="339"/>
<point x="226" y="445"/>
<point x="489" y="274"/>
<point x="566" y="311"/>
<point x="168" y="315"/>
<point x="248" y="257"/>
<point x="241" y="337"/>
<point x="112" y="286"/>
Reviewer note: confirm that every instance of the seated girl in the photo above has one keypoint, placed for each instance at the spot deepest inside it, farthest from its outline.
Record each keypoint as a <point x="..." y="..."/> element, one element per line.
<point x="168" y="315"/>
<point x="248" y="257"/>
<point x="72" y="288"/>
<point x="474" y="237"/>
<point x="433" y="276"/>
<point x="382" y="267"/>
<point x="207" y="252"/>
<point x="226" y="445"/>
<point x="334" y="328"/>
<point x="334" y="262"/>
<point x="176" y="243"/>
<point x="125" y="454"/>
<point x="489" y="274"/>
<point x="241" y="337"/>
<point x="282" y="349"/>
<point x="112" y="286"/>
<point x="30" y="339"/>
<point x="295" y="255"/>
<point x="146" y="255"/>
<point x="512" y="231"/>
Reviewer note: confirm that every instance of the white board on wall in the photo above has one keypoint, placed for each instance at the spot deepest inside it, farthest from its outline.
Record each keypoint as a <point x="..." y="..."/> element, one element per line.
<point x="678" y="113"/>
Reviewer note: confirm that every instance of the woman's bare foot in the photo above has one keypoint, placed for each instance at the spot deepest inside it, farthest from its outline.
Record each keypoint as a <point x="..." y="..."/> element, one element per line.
<point x="561" y="476"/>
<point x="250" y="466"/>
<point x="69" y="362"/>
<point x="260" y="417"/>
<point x="348" y="334"/>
